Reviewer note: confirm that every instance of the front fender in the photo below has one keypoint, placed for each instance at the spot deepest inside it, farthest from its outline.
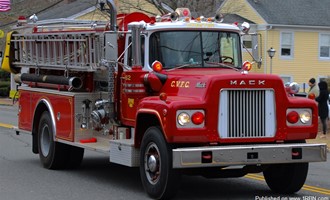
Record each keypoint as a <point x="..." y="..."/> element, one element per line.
<point x="155" y="112"/>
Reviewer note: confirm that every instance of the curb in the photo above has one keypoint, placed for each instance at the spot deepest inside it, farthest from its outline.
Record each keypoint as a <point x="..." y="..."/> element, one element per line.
<point x="7" y="102"/>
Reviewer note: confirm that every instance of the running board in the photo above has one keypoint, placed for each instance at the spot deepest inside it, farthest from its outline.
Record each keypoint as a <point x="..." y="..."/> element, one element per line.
<point x="121" y="152"/>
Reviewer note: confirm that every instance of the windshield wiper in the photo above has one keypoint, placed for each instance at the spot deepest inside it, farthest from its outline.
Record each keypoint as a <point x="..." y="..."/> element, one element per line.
<point x="184" y="65"/>
<point x="222" y="65"/>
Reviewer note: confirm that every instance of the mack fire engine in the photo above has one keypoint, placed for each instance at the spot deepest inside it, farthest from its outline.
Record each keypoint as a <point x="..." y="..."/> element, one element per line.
<point x="168" y="94"/>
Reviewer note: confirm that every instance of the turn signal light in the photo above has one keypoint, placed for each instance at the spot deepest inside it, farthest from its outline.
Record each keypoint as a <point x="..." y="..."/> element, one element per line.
<point x="299" y="116"/>
<point x="247" y="66"/>
<point x="311" y="96"/>
<point x="292" y="117"/>
<point x="197" y="118"/>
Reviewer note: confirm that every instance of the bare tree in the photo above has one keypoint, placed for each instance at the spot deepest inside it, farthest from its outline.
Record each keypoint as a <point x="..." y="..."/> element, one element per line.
<point x="197" y="7"/>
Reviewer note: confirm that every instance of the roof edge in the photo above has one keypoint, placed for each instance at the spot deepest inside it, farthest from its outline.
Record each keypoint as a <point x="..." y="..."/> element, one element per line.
<point x="297" y="26"/>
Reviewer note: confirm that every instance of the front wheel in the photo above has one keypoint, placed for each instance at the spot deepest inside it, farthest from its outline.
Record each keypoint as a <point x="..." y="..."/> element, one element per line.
<point x="286" y="178"/>
<point x="158" y="177"/>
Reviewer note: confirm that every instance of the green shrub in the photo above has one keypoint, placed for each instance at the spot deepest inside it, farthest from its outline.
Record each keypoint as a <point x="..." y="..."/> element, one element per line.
<point x="4" y="88"/>
<point x="4" y="91"/>
<point x="4" y="84"/>
<point x="4" y="75"/>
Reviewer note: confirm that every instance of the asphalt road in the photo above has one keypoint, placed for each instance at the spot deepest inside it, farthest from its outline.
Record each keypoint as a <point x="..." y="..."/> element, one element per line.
<point x="22" y="177"/>
<point x="8" y="116"/>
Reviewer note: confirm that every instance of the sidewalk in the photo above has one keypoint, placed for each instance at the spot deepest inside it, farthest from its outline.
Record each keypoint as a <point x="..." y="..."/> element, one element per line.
<point x="9" y="102"/>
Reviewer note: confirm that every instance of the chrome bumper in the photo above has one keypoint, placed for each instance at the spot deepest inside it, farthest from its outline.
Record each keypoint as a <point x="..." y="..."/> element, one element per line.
<point x="248" y="155"/>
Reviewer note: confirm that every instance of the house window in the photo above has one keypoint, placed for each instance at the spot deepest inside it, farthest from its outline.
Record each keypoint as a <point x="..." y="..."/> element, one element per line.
<point x="247" y="41"/>
<point x="287" y="44"/>
<point x="322" y="78"/>
<point x="325" y="46"/>
<point x="286" y="78"/>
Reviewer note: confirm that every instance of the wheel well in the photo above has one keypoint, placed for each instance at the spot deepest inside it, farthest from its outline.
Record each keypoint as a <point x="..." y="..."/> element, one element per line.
<point x="143" y="122"/>
<point x="37" y="114"/>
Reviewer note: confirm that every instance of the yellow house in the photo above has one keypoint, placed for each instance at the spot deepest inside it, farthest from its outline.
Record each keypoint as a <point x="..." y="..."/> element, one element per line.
<point x="299" y="31"/>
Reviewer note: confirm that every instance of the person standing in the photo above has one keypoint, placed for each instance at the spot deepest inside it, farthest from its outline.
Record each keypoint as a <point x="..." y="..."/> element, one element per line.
<point x="313" y="89"/>
<point x="322" y="100"/>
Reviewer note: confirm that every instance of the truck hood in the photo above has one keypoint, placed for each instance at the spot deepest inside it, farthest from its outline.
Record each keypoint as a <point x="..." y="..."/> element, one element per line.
<point x="199" y="82"/>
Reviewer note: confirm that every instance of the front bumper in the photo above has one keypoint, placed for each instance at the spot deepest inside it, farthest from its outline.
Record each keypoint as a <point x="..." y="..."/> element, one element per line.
<point x="248" y="155"/>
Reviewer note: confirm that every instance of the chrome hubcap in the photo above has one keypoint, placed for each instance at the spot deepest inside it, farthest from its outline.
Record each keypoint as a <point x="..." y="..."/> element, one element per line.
<point x="45" y="141"/>
<point x="152" y="163"/>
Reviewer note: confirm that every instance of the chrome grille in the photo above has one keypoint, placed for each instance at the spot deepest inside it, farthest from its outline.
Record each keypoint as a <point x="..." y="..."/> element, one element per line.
<point x="246" y="114"/>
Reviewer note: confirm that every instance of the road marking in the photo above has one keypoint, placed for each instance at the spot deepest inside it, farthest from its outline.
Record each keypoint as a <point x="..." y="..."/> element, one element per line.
<point x="6" y="125"/>
<point x="305" y="187"/>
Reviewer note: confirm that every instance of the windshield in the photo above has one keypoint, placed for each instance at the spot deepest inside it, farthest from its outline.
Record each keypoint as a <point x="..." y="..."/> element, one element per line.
<point x="195" y="48"/>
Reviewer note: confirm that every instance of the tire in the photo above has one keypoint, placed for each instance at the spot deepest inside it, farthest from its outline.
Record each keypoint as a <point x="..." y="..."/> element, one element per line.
<point x="286" y="178"/>
<point x="54" y="155"/>
<point x="158" y="178"/>
<point x="75" y="157"/>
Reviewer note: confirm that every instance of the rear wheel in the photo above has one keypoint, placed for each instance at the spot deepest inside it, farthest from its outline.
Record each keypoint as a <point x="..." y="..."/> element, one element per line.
<point x="286" y="178"/>
<point x="54" y="155"/>
<point x="158" y="177"/>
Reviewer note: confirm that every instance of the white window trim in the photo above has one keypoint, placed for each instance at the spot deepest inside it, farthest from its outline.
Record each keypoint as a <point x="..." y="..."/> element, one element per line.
<point x="319" y="47"/>
<point x="321" y="77"/>
<point x="286" y="76"/>
<point x="292" y="46"/>
<point x="246" y="49"/>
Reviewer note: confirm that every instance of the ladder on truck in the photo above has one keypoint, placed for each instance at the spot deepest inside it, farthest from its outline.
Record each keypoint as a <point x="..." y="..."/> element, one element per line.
<point x="77" y="51"/>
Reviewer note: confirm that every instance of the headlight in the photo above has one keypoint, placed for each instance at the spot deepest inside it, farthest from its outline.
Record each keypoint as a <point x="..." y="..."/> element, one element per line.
<point x="183" y="119"/>
<point x="305" y="117"/>
<point x="190" y="118"/>
<point x="299" y="116"/>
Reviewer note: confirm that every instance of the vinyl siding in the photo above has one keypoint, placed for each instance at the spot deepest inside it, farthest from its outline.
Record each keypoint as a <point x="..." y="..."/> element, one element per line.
<point x="305" y="62"/>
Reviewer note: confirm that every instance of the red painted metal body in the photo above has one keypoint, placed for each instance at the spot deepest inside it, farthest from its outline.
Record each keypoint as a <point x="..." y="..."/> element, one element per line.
<point x="165" y="95"/>
<point x="132" y="92"/>
<point x="183" y="93"/>
<point x="62" y="107"/>
<point x="193" y="88"/>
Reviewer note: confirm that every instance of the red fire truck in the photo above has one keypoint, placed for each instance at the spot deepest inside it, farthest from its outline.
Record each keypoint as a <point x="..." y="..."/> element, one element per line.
<point x="170" y="95"/>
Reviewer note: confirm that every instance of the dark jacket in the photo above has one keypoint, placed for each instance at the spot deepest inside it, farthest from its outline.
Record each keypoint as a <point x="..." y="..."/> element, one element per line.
<point x="322" y="100"/>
